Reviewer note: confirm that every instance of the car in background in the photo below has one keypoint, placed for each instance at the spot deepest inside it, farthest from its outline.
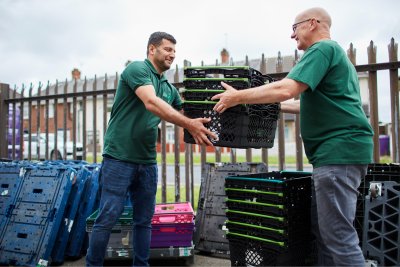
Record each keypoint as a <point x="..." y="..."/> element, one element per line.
<point x="53" y="154"/>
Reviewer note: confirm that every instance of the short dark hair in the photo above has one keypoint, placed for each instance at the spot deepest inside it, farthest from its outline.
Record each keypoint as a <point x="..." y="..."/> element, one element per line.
<point x="157" y="37"/>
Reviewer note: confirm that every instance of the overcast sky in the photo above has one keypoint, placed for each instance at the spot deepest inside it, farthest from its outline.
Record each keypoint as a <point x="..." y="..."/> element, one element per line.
<point x="43" y="40"/>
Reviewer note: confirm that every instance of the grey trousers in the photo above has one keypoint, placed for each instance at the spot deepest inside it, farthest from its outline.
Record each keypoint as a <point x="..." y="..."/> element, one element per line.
<point x="333" y="212"/>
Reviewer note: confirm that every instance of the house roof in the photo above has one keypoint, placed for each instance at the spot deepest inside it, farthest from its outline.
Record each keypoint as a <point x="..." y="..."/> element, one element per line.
<point x="104" y="82"/>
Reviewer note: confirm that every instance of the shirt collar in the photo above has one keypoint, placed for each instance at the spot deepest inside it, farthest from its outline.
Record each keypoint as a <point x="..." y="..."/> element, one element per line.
<point x="161" y="77"/>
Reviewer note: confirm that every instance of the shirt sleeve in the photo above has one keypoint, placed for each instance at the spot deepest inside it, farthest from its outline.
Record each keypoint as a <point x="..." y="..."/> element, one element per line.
<point x="311" y="68"/>
<point x="136" y="75"/>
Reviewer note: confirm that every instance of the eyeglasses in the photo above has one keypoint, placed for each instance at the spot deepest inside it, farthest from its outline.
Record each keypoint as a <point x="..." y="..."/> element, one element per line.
<point x="294" y="26"/>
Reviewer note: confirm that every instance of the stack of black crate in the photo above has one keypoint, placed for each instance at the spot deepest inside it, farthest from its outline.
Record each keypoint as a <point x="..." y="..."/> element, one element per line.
<point x="242" y="126"/>
<point x="375" y="172"/>
<point x="269" y="218"/>
<point x="378" y="214"/>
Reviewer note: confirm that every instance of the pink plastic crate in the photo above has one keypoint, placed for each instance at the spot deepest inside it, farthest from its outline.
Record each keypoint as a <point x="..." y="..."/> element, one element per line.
<point x="172" y="235"/>
<point x="168" y="213"/>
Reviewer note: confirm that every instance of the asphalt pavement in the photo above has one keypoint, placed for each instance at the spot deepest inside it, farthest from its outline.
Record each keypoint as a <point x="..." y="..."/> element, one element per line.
<point x="199" y="260"/>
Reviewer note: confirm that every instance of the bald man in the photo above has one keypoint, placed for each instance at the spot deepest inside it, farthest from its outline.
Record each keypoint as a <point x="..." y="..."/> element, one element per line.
<point x="335" y="130"/>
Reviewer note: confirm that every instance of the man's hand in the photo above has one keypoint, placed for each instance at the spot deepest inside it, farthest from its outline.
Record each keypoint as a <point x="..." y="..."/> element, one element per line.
<point x="227" y="99"/>
<point x="162" y="109"/>
<point x="199" y="132"/>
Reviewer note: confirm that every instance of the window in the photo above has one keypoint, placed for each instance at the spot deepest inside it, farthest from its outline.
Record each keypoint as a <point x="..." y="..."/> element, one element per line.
<point x="51" y="111"/>
<point x="26" y="112"/>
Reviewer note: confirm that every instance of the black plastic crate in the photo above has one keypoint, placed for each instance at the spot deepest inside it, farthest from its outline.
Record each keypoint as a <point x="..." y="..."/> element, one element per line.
<point x="384" y="168"/>
<point x="290" y="237"/>
<point x="288" y="211"/>
<point x="200" y="94"/>
<point x="382" y="225"/>
<point x="209" y="236"/>
<point x="296" y="198"/>
<point x="226" y="71"/>
<point x="296" y="228"/>
<point x="376" y="172"/>
<point x="257" y="219"/>
<point x="215" y="83"/>
<point x="291" y="189"/>
<point x="254" y="251"/>
<point x="259" y="231"/>
<point x="284" y="176"/>
<point x="251" y="126"/>
<point x="124" y="221"/>
<point x="381" y="176"/>
<point x="257" y="195"/>
<point x="269" y="244"/>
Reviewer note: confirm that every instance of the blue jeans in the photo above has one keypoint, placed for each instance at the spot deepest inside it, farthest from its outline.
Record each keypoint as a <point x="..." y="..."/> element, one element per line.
<point x="117" y="179"/>
<point x="333" y="212"/>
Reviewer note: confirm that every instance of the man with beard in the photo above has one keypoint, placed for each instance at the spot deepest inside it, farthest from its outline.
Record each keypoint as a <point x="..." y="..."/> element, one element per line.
<point x="143" y="98"/>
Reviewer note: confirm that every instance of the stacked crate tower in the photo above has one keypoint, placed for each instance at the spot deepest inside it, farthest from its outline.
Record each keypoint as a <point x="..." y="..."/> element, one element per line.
<point x="242" y="126"/>
<point x="268" y="218"/>
<point x="171" y="233"/>
<point x="378" y="214"/>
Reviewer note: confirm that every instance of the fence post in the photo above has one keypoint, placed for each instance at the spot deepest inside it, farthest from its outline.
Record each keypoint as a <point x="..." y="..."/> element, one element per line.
<point x="249" y="155"/>
<point x="177" y="153"/>
<point x="394" y="97"/>
<point x="298" y="140"/>
<point x="84" y="132"/>
<point x="281" y="122"/>
<point x="373" y="97"/>
<point x="203" y="150"/>
<point x="351" y="54"/>
<point x="189" y="156"/>
<point x="95" y="121"/>
<point x="4" y="94"/>
<point x="263" y="70"/>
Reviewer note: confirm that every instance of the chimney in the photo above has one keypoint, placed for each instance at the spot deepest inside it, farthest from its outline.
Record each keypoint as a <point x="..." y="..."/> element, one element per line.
<point x="224" y="57"/>
<point x="76" y="74"/>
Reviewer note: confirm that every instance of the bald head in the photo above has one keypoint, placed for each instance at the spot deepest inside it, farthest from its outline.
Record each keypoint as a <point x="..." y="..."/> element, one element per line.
<point x="311" y="26"/>
<point x="317" y="13"/>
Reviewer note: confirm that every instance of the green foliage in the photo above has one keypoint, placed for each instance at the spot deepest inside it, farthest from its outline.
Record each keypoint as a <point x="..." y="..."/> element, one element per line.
<point x="225" y="157"/>
<point x="386" y="159"/>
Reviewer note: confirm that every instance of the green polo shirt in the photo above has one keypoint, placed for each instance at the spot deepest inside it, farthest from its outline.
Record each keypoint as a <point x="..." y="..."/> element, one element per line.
<point x="334" y="127"/>
<point x="132" y="130"/>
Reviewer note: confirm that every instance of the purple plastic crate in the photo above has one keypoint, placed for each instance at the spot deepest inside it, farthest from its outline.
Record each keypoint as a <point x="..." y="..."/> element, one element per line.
<point x="175" y="235"/>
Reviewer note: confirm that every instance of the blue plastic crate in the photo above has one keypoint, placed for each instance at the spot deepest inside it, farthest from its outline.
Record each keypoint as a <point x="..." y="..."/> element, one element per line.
<point x="31" y="227"/>
<point x="89" y="203"/>
<point x="10" y="183"/>
<point x="57" y="255"/>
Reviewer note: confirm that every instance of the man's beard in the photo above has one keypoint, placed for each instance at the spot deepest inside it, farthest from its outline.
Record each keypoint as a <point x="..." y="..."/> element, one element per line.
<point x="164" y="66"/>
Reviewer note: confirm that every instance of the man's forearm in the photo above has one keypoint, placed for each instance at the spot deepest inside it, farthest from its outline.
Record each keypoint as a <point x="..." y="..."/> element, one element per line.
<point x="268" y="93"/>
<point x="163" y="110"/>
<point x="291" y="107"/>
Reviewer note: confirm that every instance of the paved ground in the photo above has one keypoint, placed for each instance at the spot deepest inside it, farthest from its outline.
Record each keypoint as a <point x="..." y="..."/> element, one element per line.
<point x="199" y="260"/>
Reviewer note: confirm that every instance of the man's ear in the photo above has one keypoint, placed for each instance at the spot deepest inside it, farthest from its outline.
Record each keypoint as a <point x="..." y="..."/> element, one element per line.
<point x="151" y="49"/>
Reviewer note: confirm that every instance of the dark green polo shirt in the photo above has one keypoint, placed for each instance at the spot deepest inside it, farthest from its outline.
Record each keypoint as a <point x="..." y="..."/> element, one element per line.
<point x="333" y="124"/>
<point x="132" y="130"/>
